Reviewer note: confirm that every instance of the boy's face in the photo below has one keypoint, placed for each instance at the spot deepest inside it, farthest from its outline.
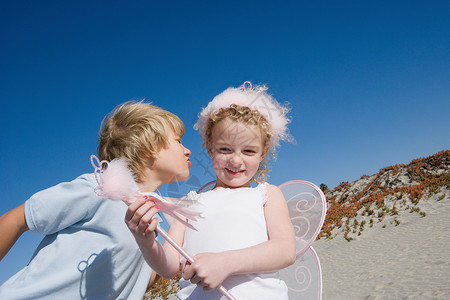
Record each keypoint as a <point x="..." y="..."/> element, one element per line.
<point x="236" y="150"/>
<point x="172" y="162"/>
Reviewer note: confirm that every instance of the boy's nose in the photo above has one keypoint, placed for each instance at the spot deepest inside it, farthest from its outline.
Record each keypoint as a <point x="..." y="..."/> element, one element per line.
<point x="187" y="151"/>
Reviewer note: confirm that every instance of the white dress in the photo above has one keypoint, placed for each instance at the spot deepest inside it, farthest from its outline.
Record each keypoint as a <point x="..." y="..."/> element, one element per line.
<point x="233" y="219"/>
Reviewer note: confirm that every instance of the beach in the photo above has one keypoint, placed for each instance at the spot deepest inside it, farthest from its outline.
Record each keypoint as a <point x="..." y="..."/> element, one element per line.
<point x="408" y="261"/>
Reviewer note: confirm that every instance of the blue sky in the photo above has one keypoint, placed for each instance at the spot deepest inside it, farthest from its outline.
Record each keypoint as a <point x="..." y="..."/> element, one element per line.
<point x="368" y="83"/>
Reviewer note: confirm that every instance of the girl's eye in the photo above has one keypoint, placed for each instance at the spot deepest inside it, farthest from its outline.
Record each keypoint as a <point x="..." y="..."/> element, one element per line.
<point x="224" y="150"/>
<point x="250" y="152"/>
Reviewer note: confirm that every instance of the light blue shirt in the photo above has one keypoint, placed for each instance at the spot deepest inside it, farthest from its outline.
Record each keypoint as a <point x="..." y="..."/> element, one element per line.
<point x="88" y="251"/>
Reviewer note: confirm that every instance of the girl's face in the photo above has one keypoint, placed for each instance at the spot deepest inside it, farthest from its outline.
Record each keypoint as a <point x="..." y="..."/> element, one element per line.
<point x="236" y="150"/>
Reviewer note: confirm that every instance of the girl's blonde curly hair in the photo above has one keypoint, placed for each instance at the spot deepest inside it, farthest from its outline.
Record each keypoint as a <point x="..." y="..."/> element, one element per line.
<point x="251" y="105"/>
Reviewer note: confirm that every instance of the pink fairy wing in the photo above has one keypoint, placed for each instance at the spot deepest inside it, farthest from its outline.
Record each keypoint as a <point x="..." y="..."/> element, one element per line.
<point x="307" y="209"/>
<point x="304" y="277"/>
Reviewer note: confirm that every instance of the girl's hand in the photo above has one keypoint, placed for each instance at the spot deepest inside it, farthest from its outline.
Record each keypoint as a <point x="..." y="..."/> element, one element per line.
<point x="208" y="270"/>
<point x="140" y="219"/>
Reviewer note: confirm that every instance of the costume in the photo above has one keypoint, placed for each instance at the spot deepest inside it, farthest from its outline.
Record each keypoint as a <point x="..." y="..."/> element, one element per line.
<point x="88" y="251"/>
<point x="254" y="98"/>
<point x="233" y="219"/>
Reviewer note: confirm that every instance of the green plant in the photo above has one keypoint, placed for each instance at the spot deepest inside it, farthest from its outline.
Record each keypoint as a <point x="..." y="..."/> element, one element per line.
<point x="394" y="210"/>
<point x="164" y="287"/>
<point x="324" y="187"/>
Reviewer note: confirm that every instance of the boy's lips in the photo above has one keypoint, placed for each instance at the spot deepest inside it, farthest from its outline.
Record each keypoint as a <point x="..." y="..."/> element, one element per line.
<point x="189" y="163"/>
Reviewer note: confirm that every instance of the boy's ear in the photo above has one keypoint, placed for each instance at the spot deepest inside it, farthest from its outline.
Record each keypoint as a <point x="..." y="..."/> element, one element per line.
<point x="151" y="156"/>
<point x="150" y="160"/>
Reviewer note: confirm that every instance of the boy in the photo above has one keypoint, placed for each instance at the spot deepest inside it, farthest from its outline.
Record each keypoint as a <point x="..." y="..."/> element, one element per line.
<point x="88" y="251"/>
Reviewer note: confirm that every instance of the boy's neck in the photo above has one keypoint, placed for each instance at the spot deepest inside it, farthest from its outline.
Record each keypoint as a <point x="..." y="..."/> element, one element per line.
<point x="147" y="187"/>
<point x="150" y="181"/>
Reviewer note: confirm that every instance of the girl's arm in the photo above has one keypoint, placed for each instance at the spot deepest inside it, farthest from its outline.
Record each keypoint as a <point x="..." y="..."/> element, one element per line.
<point x="176" y="232"/>
<point x="142" y="224"/>
<point x="210" y="269"/>
<point x="12" y="226"/>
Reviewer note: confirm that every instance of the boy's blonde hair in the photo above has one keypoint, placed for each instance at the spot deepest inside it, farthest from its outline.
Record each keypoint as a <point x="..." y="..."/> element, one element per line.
<point x="136" y="131"/>
<point x="237" y="113"/>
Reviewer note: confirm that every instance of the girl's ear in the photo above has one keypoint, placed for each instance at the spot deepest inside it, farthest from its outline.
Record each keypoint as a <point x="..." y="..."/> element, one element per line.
<point x="264" y="153"/>
<point x="209" y="148"/>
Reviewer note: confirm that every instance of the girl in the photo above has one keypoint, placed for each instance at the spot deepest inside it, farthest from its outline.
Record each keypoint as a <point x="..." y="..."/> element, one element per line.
<point x="246" y="234"/>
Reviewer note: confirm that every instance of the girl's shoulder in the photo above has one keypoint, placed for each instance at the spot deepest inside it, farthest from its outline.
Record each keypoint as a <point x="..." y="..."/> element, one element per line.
<point x="270" y="188"/>
<point x="267" y="191"/>
<point x="271" y="192"/>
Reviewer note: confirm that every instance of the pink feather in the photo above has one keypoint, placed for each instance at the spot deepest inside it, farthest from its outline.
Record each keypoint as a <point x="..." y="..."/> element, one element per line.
<point x="116" y="182"/>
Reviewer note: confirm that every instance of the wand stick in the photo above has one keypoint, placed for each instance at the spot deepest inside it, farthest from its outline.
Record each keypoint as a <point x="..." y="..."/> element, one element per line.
<point x="189" y="258"/>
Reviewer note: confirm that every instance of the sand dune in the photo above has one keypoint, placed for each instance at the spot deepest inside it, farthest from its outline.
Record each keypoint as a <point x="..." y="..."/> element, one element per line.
<point x="408" y="261"/>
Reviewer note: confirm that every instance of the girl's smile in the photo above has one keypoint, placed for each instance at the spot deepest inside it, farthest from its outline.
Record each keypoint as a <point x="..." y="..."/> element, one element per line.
<point x="234" y="172"/>
<point x="236" y="150"/>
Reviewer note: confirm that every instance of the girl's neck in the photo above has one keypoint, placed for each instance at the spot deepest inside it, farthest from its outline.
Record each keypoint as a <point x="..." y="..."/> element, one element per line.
<point x="221" y="185"/>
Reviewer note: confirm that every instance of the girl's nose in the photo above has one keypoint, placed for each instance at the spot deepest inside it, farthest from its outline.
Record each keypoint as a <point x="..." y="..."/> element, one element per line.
<point x="235" y="158"/>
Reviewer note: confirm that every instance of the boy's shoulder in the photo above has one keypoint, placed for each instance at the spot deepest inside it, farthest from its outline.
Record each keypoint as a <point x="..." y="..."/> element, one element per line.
<point x="86" y="179"/>
<point x="89" y="178"/>
<point x="82" y="186"/>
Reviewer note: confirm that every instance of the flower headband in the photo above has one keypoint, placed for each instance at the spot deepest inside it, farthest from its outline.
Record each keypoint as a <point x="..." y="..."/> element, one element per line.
<point x="254" y="98"/>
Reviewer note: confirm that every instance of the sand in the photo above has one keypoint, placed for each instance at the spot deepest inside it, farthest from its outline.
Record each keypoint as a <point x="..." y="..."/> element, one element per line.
<point x="408" y="261"/>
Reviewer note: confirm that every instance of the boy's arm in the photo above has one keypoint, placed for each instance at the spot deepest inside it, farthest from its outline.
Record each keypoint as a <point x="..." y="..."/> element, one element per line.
<point x="210" y="269"/>
<point x="12" y="226"/>
<point x="142" y="224"/>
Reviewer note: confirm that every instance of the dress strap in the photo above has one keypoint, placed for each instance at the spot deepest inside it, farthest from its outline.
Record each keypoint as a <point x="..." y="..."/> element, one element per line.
<point x="262" y="188"/>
